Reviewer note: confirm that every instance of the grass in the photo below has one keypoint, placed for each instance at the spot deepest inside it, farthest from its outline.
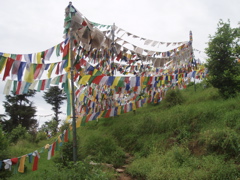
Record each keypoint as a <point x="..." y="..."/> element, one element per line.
<point x="197" y="139"/>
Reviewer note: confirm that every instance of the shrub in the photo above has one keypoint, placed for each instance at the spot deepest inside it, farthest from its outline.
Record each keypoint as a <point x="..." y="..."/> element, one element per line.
<point x="148" y="125"/>
<point x="4" y="154"/>
<point x="103" y="149"/>
<point x="177" y="163"/>
<point x="41" y="136"/>
<point x="65" y="155"/>
<point x="232" y="118"/>
<point x="221" y="141"/>
<point x="173" y="98"/>
<point x="17" y="133"/>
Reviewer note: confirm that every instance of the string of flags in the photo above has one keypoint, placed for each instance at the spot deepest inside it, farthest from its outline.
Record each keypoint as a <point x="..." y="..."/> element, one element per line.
<point x="16" y="164"/>
<point x="111" y="74"/>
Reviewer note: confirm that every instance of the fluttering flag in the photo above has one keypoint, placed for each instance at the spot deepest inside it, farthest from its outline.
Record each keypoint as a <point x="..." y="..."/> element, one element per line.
<point x="66" y="135"/>
<point x="35" y="162"/>
<point x="8" y="68"/>
<point x="49" y="152"/>
<point x="21" y="164"/>
<point x="3" y="61"/>
<point x="29" y="74"/>
<point x="7" y="87"/>
<point x="52" y="66"/>
<point x="48" y="53"/>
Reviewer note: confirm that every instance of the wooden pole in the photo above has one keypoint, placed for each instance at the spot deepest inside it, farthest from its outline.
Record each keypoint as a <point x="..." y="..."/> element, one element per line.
<point x="112" y="47"/>
<point x="193" y="59"/>
<point x="73" y="95"/>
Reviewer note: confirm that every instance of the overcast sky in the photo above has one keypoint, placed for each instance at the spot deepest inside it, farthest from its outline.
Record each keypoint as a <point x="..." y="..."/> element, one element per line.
<point x="30" y="26"/>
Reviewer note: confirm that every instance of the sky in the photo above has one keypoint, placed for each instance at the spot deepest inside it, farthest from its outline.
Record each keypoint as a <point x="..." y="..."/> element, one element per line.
<point x="29" y="26"/>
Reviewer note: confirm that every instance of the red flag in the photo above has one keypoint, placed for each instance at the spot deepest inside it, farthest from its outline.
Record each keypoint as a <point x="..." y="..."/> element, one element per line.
<point x="19" y="57"/>
<point x="108" y="113"/>
<point x="53" y="148"/>
<point x="8" y="68"/>
<point x="66" y="136"/>
<point x="43" y="84"/>
<point x="38" y="70"/>
<point x="57" y="70"/>
<point x="19" y="87"/>
<point x="35" y="164"/>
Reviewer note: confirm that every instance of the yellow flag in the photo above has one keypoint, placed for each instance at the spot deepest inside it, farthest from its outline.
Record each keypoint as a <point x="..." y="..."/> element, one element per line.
<point x="39" y="58"/>
<point x="119" y="110"/>
<point x="115" y="82"/>
<point x="79" y="120"/>
<point x="6" y="55"/>
<point x="133" y="106"/>
<point x="94" y="72"/>
<point x="21" y="164"/>
<point x="81" y="97"/>
<point x="52" y="66"/>
<point x="84" y="80"/>
<point x="129" y="56"/>
<point x="68" y="118"/>
<point x="59" y="139"/>
<point x="29" y="74"/>
<point x="100" y="115"/>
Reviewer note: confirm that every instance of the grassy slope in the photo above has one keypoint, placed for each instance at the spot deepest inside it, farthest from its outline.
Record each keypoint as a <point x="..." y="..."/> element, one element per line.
<point x="196" y="140"/>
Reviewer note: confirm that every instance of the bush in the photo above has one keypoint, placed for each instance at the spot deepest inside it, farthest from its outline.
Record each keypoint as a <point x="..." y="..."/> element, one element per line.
<point x="232" y="118"/>
<point x="177" y="163"/>
<point x="148" y="125"/>
<point x="173" y="98"/>
<point x="65" y="155"/>
<point x="17" y="133"/>
<point x="221" y="141"/>
<point x="4" y="154"/>
<point x="41" y="136"/>
<point x="102" y="149"/>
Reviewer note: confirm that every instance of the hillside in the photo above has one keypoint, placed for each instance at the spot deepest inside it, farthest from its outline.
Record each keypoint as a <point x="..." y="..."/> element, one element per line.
<point x="198" y="139"/>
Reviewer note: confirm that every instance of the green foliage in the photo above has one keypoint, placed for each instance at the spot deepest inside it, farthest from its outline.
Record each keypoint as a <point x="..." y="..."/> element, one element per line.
<point x="64" y="126"/>
<point x="173" y="98"/>
<point x="177" y="163"/>
<point x="195" y="140"/>
<point x="223" y="51"/>
<point x="232" y="119"/>
<point x="4" y="154"/>
<point x="40" y="136"/>
<point x="18" y="133"/>
<point x="65" y="155"/>
<point x="102" y="149"/>
<point x="55" y="97"/>
<point x="222" y="141"/>
<point x="78" y="170"/>
<point x="3" y="140"/>
<point x="50" y="127"/>
<point x="20" y="110"/>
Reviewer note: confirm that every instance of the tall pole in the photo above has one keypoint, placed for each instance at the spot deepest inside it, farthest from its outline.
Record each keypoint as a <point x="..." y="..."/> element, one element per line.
<point x="112" y="60"/>
<point x="193" y="60"/>
<point x="73" y="95"/>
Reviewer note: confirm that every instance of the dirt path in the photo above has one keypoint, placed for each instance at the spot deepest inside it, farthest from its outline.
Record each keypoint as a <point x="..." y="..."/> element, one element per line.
<point x="122" y="170"/>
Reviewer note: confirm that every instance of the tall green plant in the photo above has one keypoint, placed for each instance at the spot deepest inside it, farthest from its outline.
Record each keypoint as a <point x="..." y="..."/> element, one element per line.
<point x="223" y="51"/>
<point x="173" y="98"/>
<point x="20" y="110"/>
<point x="55" y="97"/>
<point x="3" y="153"/>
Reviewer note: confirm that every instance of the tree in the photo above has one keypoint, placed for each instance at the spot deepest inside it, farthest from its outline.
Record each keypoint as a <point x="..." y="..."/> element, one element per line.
<point x="20" y="110"/>
<point x="223" y="51"/>
<point x="49" y="127"/>
<point x="55" y="97"/>
<point x="4" y="153"/>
